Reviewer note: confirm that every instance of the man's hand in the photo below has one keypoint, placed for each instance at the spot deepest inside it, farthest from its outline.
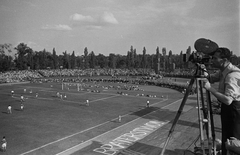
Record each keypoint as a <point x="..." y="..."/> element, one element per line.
<point x="205" y="73"/>
<point x="206" y="84"/>
<point x="233" y="145"/>
<point x="233" y="142"/>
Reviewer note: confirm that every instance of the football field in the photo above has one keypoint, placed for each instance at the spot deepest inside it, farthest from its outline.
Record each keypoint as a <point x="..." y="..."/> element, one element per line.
<point x="58" y="120"/>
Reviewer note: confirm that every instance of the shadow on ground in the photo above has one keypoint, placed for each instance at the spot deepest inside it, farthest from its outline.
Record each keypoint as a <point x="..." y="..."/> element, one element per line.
<point x="135" y="149"/>
<point x="145" y="149"/>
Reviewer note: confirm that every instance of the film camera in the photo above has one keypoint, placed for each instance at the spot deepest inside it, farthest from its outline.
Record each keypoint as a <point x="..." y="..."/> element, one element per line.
<point x="204" y="49"/>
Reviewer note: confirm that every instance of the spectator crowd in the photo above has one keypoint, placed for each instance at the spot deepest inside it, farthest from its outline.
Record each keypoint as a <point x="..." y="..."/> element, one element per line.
<point x="142" y="76"/>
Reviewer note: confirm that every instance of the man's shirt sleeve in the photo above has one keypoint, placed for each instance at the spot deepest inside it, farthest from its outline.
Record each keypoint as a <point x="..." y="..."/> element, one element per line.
<point x="232" y="86"/>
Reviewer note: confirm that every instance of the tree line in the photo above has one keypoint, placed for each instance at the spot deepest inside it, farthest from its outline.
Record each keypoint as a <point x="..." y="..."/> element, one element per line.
<point x="26" y="58"/>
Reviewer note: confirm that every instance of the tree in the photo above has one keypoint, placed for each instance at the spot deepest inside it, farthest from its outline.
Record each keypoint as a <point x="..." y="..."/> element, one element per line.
<point x="92" y="61"/>
<point x="144" y="59"/>
<point x="169" y="60"/>
<point x="73" y="60"/>
<point x="188" y="50"/>
<point x="102" y="61"/>
<point x="112" y="61"/>
<point x="36" y="60"/>
<point x="121" y="62"/>
<point x="6" y="61"/>
<point x="49" y="60"/>
<point x="132" y="58"/>
<point x="30" y="59"/>
<point x="20" y="56"/>
<point x="79" y="61"/>
<point x="43" y="59"/>
<point x="136" y="59"/>
<point x="164" y="58"/>
<point x="86" y="61"/>
<point x="157" y="61"/>
<point x="55" y="59"/>
<point x="128" y="62"/>
<point x="188" y="53"/>
<point x="151" y="57"/>
<point x="66" y="61"/>
<point x="5" y="47"/>
<point x="180" y="60"/>
<point x="170" y="56"/>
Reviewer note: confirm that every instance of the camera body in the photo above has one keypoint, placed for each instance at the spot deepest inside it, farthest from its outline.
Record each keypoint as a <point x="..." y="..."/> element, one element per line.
<point x="199" y="57"/>
<point x="204" y="49"/>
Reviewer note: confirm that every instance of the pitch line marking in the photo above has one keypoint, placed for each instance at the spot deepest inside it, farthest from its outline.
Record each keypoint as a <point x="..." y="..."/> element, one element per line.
<point x="90" y="101"/>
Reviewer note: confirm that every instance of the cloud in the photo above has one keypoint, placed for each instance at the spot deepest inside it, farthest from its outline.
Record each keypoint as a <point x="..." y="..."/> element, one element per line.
<point x="79" y="17"/>
<point x="90" y="27"/>
<point x="108" y="17"/>
<point x="31" y="44"/>
<point x="97" y="22"/>
<point x="57" y="27"/>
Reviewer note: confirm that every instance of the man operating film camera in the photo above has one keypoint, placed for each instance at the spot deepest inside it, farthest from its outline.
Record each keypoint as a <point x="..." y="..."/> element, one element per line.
<point x="228" y="93"/>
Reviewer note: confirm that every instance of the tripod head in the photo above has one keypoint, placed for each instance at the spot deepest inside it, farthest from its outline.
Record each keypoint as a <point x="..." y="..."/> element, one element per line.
<point x="201" y="71"/>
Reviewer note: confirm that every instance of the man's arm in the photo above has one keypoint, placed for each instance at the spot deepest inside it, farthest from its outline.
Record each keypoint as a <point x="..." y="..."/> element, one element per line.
<point x="231" y="89"/>
<point x="220" y="96"/>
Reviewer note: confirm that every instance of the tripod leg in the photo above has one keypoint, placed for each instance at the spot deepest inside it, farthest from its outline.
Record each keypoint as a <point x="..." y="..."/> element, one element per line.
<point x="210" y="138"/>
<point x="200" y="119"/>
<point x="208" y="116"/>
<point x="178" y="114"/>
<point x="213" y="138"/>
<point x="204" y="109"/>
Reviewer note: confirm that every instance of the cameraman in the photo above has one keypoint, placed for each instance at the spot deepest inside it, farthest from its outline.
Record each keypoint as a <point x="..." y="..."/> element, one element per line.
<point x="228" y="93"/>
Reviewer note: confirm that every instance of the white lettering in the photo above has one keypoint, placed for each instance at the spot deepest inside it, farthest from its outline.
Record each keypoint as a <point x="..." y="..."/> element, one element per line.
<point x="141" y="130"/>
<point x="105" y="151"/>
<point x="132" y="136"/>
<point x="107" y="146"/>
<point x="124" y="137"/>
<point x="138" y="134"/>
<point x="128" y="139"/>
<point x="146" y="128"/>
<point x="122" y="140"/>
<point x="118" y="144"/>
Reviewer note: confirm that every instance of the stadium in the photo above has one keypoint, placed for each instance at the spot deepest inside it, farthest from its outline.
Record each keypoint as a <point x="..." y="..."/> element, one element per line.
<point x="111" y="77"/>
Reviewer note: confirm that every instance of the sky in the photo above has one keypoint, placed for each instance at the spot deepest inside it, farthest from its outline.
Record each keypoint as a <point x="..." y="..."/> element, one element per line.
<point x="113" y="26"/>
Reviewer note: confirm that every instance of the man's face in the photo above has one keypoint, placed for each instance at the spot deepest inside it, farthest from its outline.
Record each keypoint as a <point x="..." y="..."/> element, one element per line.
<point x="217" y="61"/>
